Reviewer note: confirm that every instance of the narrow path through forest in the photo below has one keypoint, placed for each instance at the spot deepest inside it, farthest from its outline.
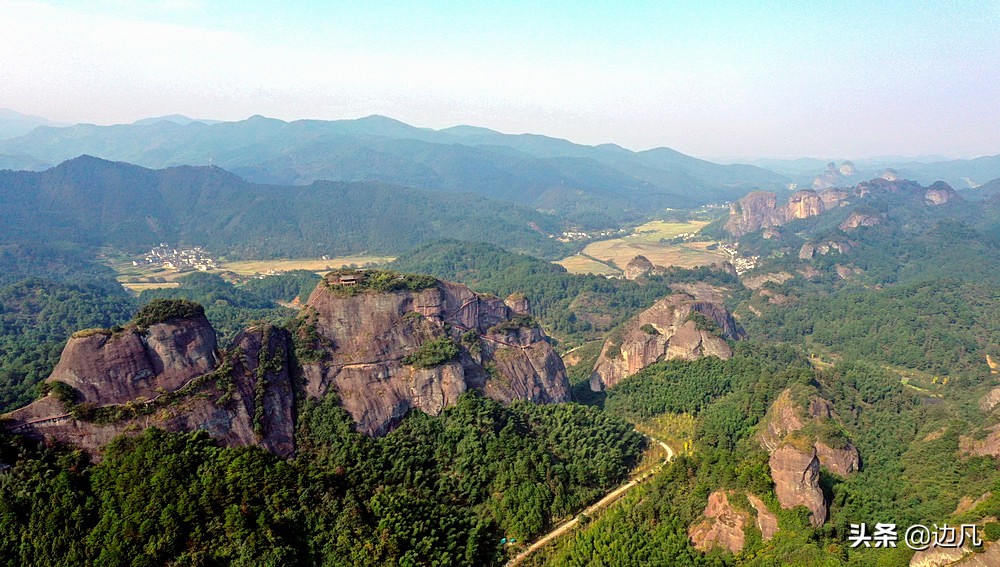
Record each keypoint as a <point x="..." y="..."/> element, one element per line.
<point x="593" y="508"/>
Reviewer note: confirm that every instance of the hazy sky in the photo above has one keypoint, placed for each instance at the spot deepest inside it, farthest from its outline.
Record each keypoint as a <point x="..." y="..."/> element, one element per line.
<point x="828" y="79"/>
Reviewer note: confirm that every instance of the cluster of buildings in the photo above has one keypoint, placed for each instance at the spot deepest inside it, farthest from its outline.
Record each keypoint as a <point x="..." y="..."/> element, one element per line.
<point x="742" y="264"/>
<point x="572" y="236"/>
<point x="178" y="259"/>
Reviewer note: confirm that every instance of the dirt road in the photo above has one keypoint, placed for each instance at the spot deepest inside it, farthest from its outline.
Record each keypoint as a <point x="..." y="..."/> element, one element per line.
<point x="590" y="510"/>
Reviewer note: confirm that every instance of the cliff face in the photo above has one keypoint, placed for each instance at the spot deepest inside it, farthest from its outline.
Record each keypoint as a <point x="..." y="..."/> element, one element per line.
<point x="796" y="481"/>
<point x="722" y="526"/>
<point x="168" y="378"/>
<point x="672" y="328"/>
<point x="797" y="432"/>
<point x="113" y="368"/>
<point x="366" y="336"/>
<point x="807" y="421"/>
<point x="760" y="210"/>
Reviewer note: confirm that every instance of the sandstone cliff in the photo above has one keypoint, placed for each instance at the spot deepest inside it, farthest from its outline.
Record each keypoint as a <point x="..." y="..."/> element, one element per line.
<point x="677" y="326"/>
<point x="811" y="419"/>
<point x="761" y="210"/>
<point x="723" y="525"/>
<point x="795" y="472"/>
<point x="366" y="337"/>
<point x="167" y="377"/>
<point x="801" y="433"/>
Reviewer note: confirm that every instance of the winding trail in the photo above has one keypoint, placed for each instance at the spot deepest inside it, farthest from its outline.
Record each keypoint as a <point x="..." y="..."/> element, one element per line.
<point x="608" y="498"/>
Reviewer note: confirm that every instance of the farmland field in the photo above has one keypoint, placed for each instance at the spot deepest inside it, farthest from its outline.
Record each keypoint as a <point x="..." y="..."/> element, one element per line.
<point x="603" y="256"/>
<point x="139" y="278"/>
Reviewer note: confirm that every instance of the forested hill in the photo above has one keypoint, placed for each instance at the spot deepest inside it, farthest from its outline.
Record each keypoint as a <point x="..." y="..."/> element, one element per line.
<point x="591" y="185"/>
<point x="92" y="202"/>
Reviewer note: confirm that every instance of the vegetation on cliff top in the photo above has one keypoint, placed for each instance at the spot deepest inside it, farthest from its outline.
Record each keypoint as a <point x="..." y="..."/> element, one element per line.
<point x="163" y="310"/>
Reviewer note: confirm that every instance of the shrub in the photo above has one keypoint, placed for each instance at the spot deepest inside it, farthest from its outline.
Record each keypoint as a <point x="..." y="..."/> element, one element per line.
<point x="649" y="329"/>
<point x="162" y="310"/>
<point x="432" y="353"/>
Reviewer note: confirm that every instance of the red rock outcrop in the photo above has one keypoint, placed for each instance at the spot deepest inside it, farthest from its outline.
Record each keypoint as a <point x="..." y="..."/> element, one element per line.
<point x="767" y="522"/>
<point x="113" y="368"/>
<point x="859" y="219"/>
<point x="366" y="336"/>
<point x="722" y="526"/>
<point x="638" y="267"/>
<point x="760" y="210"/>
<point x="669" y="329"/>
<point x="787" y="416"/>
<point x="804" y="204"/>
<point x="188" y="394"/>
<point x="754" y="211"/>
<point x="940" y="193"/>
<point x="796" y="480"/>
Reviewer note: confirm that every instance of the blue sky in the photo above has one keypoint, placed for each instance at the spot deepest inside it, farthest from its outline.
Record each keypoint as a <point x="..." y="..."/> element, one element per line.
<point x="825" y="79"/>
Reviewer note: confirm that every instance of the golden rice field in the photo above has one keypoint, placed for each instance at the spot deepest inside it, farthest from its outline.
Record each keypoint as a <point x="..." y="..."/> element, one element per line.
<point x="138" y="279"/>
<point x="603" y="256"/>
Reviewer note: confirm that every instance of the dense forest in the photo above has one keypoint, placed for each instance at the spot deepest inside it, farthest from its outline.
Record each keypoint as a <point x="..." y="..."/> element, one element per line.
<point x="897" y="344"/>
<point x="437" y="491"/>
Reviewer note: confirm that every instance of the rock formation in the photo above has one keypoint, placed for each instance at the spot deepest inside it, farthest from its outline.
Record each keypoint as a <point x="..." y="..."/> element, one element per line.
<point x="795" y="472"/>
<point x="365" y="337"/>
<point x="369" y="349"/>
<point x="810" y="423"/>
<point x="677" y="326"/>
<point x="638" y="267"/>
<point x="940" y="193"/>
<point x="167" y="377"/>
<point x="767" y="522"/>
<point x="801" y="434"/>
<point x="859" y="219"/>
<point x="760" y="210"/>
<point x="804" y="204"/>
<point x="810" y="250"/>
<point x="722" y="526"/>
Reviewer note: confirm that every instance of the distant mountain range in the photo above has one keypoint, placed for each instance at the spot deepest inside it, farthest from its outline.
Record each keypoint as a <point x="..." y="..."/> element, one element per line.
<point x="14" y="124"/>
<point x="92" y="202"/>
<point x="959" y="173"/>
<point x="592" y="186"/>
<point x="589" y="186"/>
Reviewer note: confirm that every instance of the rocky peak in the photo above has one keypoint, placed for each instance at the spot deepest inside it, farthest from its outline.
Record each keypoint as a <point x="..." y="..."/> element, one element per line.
<point x="812" y="420"/>
<point x="115" y="366"/>
<point x="247" y="399"/>
<point x="800" y="426"/>
<point x="677" y="326"/>
<point x="804" y="204"/>
<point x="518" y="304"/>
<point x="638" y="267"/>
<point x="940" y="193"/>
<point x="759" y="209"/>
<point x="756" y="210"/>
<point x="390" y="343"/>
